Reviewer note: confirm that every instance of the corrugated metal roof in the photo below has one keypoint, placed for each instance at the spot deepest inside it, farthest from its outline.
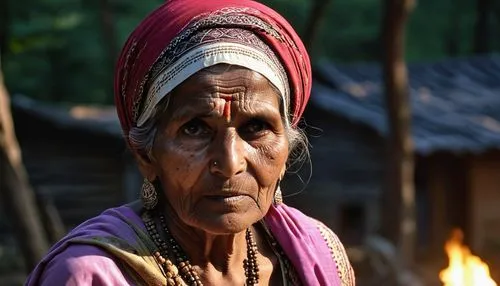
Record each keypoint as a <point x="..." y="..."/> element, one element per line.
<point x="455" y="103"/>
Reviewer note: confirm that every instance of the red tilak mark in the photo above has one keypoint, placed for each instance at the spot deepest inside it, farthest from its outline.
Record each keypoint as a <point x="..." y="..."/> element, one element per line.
<point x="227" y="111"/>
<point x="227" y="107"/>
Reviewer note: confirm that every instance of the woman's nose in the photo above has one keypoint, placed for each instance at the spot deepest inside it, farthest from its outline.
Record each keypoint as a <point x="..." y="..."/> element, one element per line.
<point x="228" y="158"/>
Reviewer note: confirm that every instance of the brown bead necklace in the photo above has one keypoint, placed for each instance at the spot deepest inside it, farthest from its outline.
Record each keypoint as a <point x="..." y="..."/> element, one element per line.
<point x="181" y="272"/>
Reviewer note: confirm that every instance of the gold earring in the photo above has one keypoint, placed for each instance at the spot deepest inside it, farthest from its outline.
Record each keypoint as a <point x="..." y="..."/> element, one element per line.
<point x="149" y="195"/>
<point x="278" y="196"/>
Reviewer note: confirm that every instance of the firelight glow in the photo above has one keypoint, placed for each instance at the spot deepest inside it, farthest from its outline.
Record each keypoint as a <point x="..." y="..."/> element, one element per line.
<point x="464" y="268"/>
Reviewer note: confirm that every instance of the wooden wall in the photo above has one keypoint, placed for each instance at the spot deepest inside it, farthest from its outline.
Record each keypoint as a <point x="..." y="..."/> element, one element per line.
<point x="347" y="176"/>
<point x="441" y="182"/>
<point x="484" y="202"/>
<point x="463" y="192"/>
<point x="81" y="171"/>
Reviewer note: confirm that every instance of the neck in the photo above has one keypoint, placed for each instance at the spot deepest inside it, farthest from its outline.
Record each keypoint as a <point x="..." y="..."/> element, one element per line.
<point x="206" y="250"/>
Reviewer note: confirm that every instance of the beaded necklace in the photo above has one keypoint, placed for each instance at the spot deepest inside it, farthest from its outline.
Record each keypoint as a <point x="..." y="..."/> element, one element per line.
<point x="181" y="272"/>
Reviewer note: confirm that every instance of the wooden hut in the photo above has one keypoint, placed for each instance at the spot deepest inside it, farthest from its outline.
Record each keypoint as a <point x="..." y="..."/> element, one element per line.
<point x="456" y="131"/>
<point x="75" y="157"/>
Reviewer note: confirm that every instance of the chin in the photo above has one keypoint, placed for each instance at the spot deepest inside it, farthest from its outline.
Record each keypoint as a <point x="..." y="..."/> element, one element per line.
<point x="225" y="224"/>
<point x="220" y="217"/>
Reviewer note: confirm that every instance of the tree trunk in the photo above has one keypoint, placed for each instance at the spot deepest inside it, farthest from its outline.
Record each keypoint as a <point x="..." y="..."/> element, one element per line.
<point x="399" y="200"/>
<point x="57" y="91"/>
<point x="482" y="26"/>
<point x="4" y="26"/>
<point x="496" y="12"/>
<point x="51" y="220"/>
<point x="453" y="38"/>
<point x="17" y="195"/>
<point x="108" y="30"/>
<point x="314" y="22"/>
<point x="109" y="39"/>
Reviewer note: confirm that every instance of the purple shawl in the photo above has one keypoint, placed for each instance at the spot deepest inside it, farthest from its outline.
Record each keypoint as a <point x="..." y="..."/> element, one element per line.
<point x="119" y="236"/>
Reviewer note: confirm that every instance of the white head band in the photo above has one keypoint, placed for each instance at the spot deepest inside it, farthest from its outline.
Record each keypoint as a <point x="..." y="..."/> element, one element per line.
<point x="210" y="54"/>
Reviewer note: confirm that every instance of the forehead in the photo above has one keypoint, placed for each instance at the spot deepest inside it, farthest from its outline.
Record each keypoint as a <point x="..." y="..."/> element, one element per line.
<point x="225" y="80"/>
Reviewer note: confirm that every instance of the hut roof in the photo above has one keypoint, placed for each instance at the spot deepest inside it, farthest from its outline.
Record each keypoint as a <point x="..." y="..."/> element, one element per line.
<point x="455" y="103"/>
<point x="101" y="120"/>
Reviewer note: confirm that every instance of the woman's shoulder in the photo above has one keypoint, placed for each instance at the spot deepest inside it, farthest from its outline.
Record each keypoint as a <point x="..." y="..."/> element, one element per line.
<point x="321" y="232"/>
<point x="338" y="253"/>
<point x="82" y="265"/>
<point x="112" y="220"/>
<point x="82" y="257"/>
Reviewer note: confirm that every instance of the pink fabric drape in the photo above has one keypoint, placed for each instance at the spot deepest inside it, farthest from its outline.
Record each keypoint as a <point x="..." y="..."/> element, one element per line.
<point x="68" y="263"/>
<point x="301" y="240"/>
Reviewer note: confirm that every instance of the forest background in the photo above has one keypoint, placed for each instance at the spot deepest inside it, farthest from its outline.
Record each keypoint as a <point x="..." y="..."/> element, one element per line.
<point x="64" y="50"/>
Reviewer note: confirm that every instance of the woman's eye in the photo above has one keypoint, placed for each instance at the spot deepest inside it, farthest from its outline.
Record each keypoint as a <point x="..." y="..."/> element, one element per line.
<point x="195" y="127"/>
<point x="255" y="126"/>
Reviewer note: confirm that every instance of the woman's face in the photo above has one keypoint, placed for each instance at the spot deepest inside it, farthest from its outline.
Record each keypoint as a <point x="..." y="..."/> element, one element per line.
<point x="220" y="149"/>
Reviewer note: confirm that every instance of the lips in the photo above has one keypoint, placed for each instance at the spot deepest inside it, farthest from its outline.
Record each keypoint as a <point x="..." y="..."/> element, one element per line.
<point x="226" y="192"/>
<point x="227" y="198"/>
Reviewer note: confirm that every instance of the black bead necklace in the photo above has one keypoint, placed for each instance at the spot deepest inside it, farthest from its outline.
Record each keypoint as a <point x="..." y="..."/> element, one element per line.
<point x="181" y="272"/>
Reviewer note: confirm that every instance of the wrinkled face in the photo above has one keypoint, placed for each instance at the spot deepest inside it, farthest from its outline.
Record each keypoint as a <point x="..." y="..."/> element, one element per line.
<point x="220" y="149"/>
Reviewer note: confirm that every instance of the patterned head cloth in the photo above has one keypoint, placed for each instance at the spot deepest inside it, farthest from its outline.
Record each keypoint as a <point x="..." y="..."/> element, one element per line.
<point x="182" y="37"/>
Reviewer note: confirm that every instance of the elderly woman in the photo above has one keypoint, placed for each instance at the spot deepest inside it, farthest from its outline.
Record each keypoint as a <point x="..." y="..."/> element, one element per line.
<point x="209" y="94"/>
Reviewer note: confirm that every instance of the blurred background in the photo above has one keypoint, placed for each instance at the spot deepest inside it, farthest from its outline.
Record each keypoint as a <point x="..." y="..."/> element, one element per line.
<point x="399" y="160"/>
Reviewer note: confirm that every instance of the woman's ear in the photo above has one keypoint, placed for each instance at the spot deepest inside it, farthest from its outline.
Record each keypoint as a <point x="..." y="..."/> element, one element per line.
<point x="146" y="166"/>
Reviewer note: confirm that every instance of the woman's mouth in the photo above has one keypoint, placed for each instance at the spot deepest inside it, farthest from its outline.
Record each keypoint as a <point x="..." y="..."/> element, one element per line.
<point x="227" y="199"/>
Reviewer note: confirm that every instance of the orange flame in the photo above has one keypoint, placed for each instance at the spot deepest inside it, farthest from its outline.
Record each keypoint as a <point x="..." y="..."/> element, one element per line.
<point x="464" y="269"/>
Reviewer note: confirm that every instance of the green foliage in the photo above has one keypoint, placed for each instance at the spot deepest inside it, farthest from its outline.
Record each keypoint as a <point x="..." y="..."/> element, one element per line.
<point x="57" y="49"/>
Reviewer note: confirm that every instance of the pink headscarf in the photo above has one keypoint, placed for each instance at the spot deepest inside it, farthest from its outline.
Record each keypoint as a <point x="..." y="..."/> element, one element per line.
<point x="158" y="37"/>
